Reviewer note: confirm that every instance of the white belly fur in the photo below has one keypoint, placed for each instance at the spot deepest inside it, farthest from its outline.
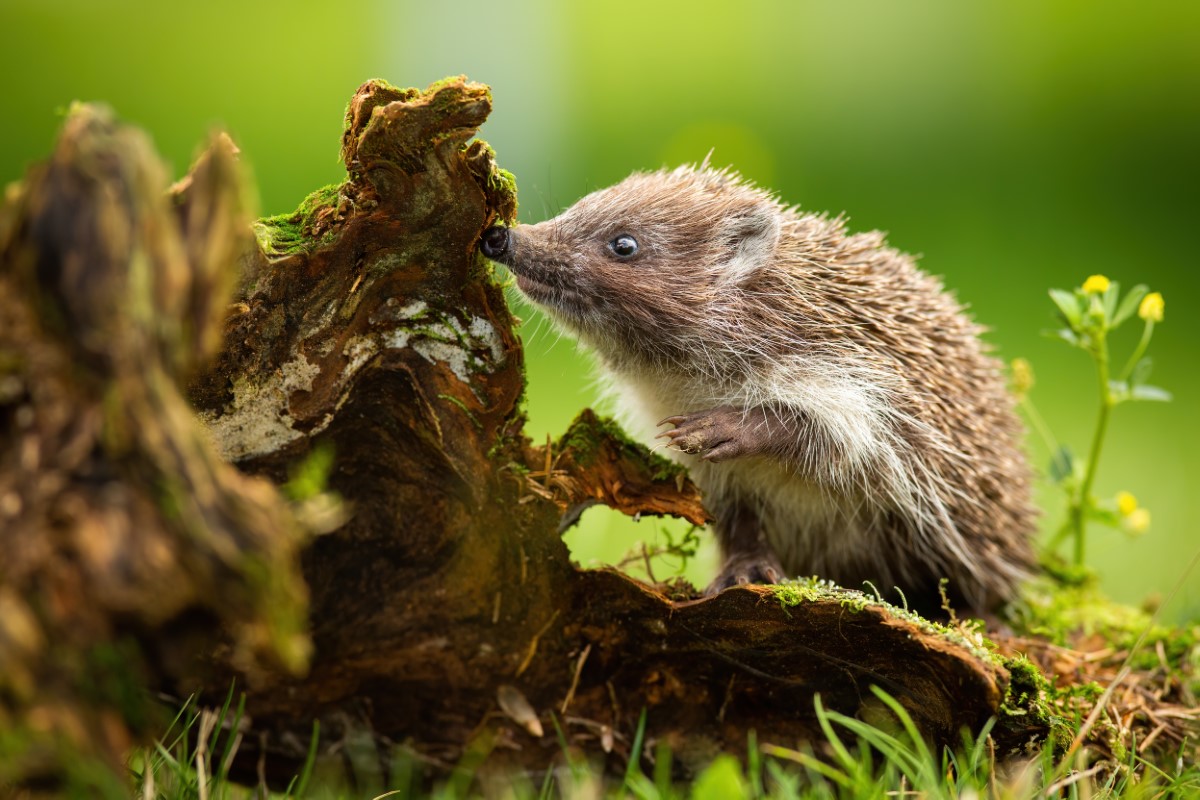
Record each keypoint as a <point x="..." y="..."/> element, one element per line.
<point x="812" y="530"/>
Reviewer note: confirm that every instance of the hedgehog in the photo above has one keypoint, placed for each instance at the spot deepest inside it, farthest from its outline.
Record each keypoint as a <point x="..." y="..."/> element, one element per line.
<point x="835" y="404"/>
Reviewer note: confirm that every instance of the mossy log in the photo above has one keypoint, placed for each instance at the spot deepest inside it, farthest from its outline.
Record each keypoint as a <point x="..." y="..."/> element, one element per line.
<point x="444" y="609"/>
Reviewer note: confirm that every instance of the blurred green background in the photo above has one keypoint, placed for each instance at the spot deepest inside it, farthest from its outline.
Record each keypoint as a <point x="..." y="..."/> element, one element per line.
<point x="1014" y="145"/>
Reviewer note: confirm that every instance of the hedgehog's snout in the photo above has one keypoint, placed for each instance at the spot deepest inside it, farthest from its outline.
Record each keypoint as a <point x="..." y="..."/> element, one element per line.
<point x="494" y="242"/>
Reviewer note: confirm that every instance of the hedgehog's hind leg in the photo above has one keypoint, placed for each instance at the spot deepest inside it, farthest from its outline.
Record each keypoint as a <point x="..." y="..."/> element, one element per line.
<point x="747" y="555"/>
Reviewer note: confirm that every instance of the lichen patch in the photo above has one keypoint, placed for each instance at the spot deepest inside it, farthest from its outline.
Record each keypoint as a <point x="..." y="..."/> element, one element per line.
<point x="446" y="340"/>
<point x="485" y="332"/>
<point x="258" y="420"/>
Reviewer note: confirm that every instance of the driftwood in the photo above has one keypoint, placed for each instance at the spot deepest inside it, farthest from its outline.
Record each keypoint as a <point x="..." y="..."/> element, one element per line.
<point x="444" y="608"/>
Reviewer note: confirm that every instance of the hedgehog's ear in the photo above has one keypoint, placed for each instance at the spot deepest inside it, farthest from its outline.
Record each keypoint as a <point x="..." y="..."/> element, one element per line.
<point x="750" y="239"/>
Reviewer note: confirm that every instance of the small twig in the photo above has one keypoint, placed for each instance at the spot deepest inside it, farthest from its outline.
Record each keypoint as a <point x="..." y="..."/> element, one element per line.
<point x="728" y="698"/>
<point x="1179" y="713"/>
<point x="646" y="560"/>
<point x="533" y="644"/>
<point x="1055" y="788"/>
<point x="1162" y="726"/>
<point x="575" y="678"/>
<point x="616" y="707"/>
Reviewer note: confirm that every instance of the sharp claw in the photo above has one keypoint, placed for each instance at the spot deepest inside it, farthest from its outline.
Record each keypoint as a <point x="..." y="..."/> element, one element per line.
<point x="720" y="452"/>
<point x="675" y="420"/>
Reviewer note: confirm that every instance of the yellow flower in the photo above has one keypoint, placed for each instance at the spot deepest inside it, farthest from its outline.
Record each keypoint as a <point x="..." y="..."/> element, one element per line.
<point x="1126" y="504"/>
<point x="1151" y="308"/>
<point x="1095" y="284"/>
<point x="1138" y="522"/>
<point x="1022" y="376"/>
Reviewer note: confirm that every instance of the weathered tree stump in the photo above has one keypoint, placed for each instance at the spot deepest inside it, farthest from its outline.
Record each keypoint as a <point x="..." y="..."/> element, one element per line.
<point x="445" y="609"/>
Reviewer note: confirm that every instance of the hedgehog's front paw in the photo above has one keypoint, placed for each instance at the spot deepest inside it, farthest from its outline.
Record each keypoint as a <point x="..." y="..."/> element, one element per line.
<point x="740" y="570"/>
<point x="714" y="435"/>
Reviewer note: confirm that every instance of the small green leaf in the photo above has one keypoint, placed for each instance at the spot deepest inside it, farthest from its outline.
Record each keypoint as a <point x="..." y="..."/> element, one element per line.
<point x="1104" y="516"/>
<point x="1068" y="303"/>
<point x="1129" y="304"/>
<point x="1154" y="393"/>
<point x="1066" y="334"/>
<point x="720" y="780"/>
<point x="1062" y="464"/>
<point x="1109" y="301"/>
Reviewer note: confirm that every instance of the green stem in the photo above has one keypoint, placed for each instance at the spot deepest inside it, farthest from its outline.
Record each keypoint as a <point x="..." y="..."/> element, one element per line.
<point x="1084" y="500"/>
<point x="1138" y="351"/>
<point x="1039" y="425"/>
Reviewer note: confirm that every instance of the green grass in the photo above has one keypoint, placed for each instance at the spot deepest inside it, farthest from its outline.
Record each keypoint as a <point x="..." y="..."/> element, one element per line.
<point x="855" y="760"/>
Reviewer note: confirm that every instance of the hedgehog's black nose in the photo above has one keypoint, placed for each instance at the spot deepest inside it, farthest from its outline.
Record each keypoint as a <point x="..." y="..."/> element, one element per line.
<point x="494" y="242"/>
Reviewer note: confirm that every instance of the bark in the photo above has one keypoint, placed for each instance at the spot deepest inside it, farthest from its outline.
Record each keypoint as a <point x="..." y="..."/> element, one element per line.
<point x="443" y="608"/>
<point x="127" y="540"/>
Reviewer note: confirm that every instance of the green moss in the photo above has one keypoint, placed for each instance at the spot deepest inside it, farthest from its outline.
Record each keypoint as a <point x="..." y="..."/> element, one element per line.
<point x="499" y="184"/>
<point x="584" y="438"/>
<point x="807" y="590"/>
<point x="470" y="414"/>
<point x="501" y="180"/>
<point x="1028" y="692"/>
<point x="382" y="92"/>
<point x="309" y="477"/>
<point x="1032" y="703"/>
<point x="442" y="83"/>
<point x="300" y="231"/>
<point x="811" y="590"/>
<point x="588" y="432"/>
<point x="1062" y="614"/>
<point x="441" y="100"/>
<point x="803" y="590"/>
<point x="383" y="83"/>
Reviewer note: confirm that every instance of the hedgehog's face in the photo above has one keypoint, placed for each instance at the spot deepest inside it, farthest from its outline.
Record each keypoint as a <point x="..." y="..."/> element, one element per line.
<point x="648" y="257"/>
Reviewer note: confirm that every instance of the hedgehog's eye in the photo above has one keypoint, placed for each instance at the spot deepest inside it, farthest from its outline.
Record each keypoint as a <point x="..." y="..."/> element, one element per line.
<point x="624" y="245"/>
